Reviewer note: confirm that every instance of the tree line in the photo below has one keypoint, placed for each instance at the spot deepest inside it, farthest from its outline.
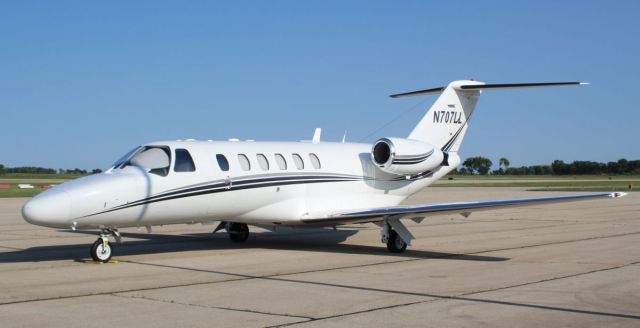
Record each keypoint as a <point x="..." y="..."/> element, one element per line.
<point x="482" y="166"/>
<point x="472" y="165"/>
<point x="44" y="170"/>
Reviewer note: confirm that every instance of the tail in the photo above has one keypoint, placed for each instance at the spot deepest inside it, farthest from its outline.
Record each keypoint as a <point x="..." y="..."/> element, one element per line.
<point x="446" y="122"/>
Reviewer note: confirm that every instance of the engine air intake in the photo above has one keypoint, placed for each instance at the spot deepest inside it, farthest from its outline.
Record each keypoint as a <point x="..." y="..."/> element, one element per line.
<point x="405" y="156"/>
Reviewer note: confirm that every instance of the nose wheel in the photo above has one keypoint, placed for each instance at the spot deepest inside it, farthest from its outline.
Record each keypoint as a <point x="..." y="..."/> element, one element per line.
<point x="101" y="250"/>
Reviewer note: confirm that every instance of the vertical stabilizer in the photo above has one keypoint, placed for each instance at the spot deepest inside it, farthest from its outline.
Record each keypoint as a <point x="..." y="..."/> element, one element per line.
<point x="446" y="122"/>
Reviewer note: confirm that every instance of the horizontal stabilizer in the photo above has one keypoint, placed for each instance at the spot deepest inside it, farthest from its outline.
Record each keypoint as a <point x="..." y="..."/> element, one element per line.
<point x="419" y="93"/>
<point x="479" y="86"/>
<point x="518" y="85"/>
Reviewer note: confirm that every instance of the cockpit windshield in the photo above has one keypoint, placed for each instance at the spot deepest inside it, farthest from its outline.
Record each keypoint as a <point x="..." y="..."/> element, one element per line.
<point x="153" y="159"/>
<point x="124" y="158"/>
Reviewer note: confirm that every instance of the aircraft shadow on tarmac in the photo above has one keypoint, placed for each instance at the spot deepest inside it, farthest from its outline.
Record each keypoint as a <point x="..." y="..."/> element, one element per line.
<point x="326" y="241"/>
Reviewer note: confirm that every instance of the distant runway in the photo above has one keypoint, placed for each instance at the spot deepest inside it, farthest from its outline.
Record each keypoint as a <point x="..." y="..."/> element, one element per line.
<point x="554" y="265"/>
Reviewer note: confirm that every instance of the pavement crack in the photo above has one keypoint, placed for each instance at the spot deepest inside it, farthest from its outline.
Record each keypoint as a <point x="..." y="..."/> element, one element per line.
<point x="553" y="279"/>
<point x="354" y="313"/>
<point x="147" y="298"/>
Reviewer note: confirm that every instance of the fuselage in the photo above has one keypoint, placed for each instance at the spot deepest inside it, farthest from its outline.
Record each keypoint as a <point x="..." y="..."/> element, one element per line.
<point x="240" y="181"/>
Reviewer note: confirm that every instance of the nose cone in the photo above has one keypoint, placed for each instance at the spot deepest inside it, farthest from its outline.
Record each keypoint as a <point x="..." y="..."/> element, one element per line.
<point x="51" y="208"/>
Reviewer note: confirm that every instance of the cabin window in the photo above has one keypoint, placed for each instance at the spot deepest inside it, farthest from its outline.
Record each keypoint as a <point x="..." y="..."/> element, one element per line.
<point x="244" y="162"/>
<point x="223" y="163"/>
<point x="298" y="161"/>
<point x="184" y="162"/>
<point x="315" y="161"/>
<point x="263" y="162"/>
<point x="282" y="163"/>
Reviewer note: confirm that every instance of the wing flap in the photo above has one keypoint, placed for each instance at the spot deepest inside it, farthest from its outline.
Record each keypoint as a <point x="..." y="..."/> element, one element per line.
<point x="399" y="212"/>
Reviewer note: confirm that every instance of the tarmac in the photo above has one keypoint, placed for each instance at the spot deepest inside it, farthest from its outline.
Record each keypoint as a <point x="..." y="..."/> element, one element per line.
<point x="573" y="264"/>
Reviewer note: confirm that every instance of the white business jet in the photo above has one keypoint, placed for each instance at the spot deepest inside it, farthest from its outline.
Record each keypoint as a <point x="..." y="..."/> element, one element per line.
<point x="273" y="184"/>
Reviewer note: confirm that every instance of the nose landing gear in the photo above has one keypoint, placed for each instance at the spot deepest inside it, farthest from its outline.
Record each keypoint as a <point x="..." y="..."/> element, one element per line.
<point x="101" y="250"/>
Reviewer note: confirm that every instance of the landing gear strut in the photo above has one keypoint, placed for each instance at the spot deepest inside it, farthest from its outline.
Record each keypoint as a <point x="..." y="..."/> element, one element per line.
<point x="394" y="242"/>
<point x="238" y="232"/>
<point x="101" y="250"/>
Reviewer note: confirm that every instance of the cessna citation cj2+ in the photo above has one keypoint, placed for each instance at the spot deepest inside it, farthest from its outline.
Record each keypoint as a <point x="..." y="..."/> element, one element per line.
<point x="271" y="184"/>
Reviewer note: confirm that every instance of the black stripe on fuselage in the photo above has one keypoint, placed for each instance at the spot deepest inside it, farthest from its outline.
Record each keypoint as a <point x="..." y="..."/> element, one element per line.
<point x="243" y="184"/>
<point x="232" y="186"/>
<point x="223" y="183"/>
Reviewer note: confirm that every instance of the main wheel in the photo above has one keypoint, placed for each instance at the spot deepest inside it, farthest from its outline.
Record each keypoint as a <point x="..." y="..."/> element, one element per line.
<point x="238" y="232"/>
<point x="101" y="251"/>
<point x="395" y="244"/>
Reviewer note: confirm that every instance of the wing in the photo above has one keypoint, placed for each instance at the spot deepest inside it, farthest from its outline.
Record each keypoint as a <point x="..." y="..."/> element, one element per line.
<point x="419" y="211"/>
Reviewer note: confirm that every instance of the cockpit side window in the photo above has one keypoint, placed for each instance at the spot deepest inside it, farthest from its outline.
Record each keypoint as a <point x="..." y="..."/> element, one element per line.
<point x="154" y="159"/>
<point x="184" y="162"/>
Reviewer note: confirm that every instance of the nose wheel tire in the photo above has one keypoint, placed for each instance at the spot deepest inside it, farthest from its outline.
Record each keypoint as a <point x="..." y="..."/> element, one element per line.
<point x="101" y="251"/>
<point x="238" y="232"/>
<point x="395" y="244"/>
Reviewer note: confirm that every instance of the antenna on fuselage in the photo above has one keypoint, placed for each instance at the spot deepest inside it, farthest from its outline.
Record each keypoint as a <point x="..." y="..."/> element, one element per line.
<point x="316" y="136"/>
<point x="344" y="136"/>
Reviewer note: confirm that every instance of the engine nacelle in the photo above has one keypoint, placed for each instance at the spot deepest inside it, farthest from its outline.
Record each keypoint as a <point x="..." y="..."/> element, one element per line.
<point x="405" y="156"/>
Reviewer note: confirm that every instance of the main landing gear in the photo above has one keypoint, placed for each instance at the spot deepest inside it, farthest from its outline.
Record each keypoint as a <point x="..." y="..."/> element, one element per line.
<point x="238" y="232"/>
<point x="395" y="235"/>
<point x="395" y="244"/>
<point x="101" y="250"/>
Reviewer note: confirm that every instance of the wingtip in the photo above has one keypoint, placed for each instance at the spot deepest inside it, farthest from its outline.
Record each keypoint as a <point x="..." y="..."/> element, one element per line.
<point x="618" y="194"/>
<point x="585" y="83"/>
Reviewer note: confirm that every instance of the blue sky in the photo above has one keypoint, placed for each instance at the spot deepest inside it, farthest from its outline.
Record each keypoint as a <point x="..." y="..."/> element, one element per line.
<point x="83" y="82"/>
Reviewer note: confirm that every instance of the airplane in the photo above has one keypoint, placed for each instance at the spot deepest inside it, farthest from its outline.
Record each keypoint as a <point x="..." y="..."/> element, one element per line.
<point x="281" y="184"/>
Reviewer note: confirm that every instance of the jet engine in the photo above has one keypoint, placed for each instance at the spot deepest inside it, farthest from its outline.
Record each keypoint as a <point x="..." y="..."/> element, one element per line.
<point x="405" y="156"/>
